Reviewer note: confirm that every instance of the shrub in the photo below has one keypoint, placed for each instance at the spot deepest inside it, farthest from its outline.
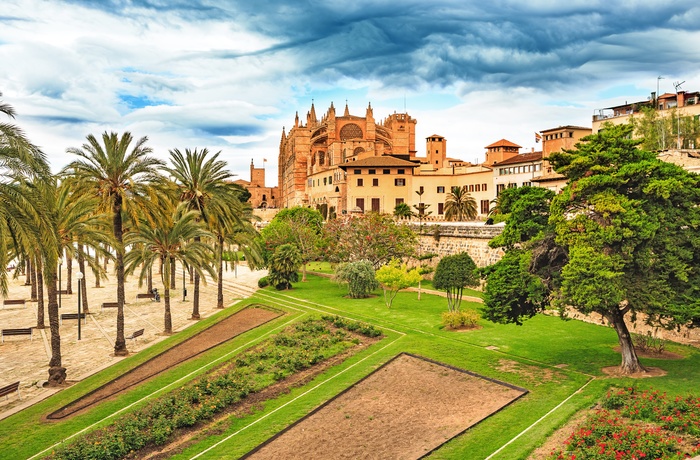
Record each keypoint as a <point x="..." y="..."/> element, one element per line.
<point x="648" y="343"/>
<point x="359" y="277"/>
<point x="263" y="282"/>
<point x="459" y="319"/>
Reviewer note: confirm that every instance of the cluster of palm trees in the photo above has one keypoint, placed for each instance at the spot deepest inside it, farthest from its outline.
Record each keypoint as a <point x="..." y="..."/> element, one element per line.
<point x="459" y="206"/>
<point x="116" y="201"/>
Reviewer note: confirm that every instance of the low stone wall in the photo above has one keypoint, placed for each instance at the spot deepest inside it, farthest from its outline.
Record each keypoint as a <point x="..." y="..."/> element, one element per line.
<point x="448" y="238"/>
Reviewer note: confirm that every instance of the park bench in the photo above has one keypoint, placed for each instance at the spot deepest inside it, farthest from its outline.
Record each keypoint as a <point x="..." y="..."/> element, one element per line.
<point x="149" y="295"/>
<point x="11" y="388"/>
<point x="110" y="305"/>
<point x="73" y="316"/>
<point x="136" y="334"/>
<point x="17" y="331"/>
<point x="14" y="302"/>
<point x="63" y="292"/>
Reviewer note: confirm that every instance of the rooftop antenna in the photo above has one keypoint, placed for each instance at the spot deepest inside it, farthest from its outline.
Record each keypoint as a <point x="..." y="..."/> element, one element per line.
<point x="678" y="84"/>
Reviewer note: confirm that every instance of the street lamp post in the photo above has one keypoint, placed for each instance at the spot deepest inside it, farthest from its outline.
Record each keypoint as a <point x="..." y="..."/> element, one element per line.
<point x="80" y="279"/>
<point x="59" y="284"/>
<point x="184" y="288"/>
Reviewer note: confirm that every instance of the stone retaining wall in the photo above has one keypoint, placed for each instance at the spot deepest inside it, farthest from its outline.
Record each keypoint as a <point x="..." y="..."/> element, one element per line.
<point x="448" y="238"/>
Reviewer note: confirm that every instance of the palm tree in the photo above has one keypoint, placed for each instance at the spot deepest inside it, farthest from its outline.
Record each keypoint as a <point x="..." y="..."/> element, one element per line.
<point x="204" y="186"/>
<point x="460" y="205"/>
<point x="175" y="237"/>
<point x="125" y="179"/>
<point x="21" y="163"/>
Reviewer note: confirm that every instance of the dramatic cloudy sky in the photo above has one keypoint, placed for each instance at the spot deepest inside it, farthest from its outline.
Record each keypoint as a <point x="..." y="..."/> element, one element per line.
<point x="228" y="75"/>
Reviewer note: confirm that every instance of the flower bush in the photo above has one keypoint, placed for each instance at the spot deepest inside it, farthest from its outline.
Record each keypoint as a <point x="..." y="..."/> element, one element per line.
<point x="632" y="425"/>
<point x="298" y="347"/>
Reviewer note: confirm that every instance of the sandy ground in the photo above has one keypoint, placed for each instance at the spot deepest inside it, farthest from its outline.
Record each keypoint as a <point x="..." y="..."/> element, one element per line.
<point x="404" y="410"/>
<point x="26" y="361"/>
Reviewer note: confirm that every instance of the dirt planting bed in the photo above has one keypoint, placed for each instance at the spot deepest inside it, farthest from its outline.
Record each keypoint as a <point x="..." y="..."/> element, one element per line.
<point x="405" y="409"/>
<point x="236" y="324"/>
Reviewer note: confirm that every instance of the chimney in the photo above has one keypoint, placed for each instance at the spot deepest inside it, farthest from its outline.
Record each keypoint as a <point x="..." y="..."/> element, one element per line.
<point x="680" y="98"/>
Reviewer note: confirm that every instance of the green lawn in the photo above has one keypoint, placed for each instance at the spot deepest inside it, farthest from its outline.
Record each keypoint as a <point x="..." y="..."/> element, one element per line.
<point x="522" y="355"/>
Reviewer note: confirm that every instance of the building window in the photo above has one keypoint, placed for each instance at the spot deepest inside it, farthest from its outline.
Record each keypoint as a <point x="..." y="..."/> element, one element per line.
<point x="399" y="182"/>
<point x="471" y="188"/>
<point x="373" y="171"/>
<point x="360" y="203"/>
<point x="527" y="184"/>
<point x="375" y="182"/>
<point x="360" y="182"/>
<point x="477" y="188"/>
<point x="441" y="208"/>
<point x="483" y="187"/>
<point x="357" y="171"/>
<point x="330" y="179"/>
<point x="375" y="204"/>
<point x="386" y="171"/>
<point x="512" y="185"/>
<point x="400" y="171"/>
<point x="325" y="181"/>
<point x="399" y="201"/>
<point x="500" y="188"/>
<point x="441" y="189"/>
<point x="485" y="207"/>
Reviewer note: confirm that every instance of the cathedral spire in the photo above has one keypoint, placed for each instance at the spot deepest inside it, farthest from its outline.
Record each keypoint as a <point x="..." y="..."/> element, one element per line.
<point x="312" y="114"/>
<point x="296" y="120"/>
<point x="347" y="111"/>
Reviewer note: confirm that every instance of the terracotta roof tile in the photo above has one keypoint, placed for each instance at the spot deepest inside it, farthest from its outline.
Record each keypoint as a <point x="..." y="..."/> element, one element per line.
<point x="503" y="143"/>
<point x="380" y="161"/>
<point x="522" y="158"/>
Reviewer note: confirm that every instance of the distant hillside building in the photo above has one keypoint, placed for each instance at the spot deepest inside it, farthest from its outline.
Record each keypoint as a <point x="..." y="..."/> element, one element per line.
<point x="261" y="197"/>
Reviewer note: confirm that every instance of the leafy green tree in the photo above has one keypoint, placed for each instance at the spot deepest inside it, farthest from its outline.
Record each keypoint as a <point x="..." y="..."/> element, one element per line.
<point x="359" y="276"/>
<point x="460" y="205"/>
<point x="402" y="210"/>
<point x="373" y="237"/>
<point x="452" y="275"/>
<point x="175" y="237"/>
<point x="299" y="226"/>
<point x="283" y="268"/>
<point x="664" y="132"/>
<point x="527" y="209"/>
<point x="396" y="276"/>
<point x="125" y="179"/>
<point x="622" y="237"/>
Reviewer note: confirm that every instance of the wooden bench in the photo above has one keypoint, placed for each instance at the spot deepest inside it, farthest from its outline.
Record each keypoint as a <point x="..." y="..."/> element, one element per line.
<point x="73" y="316"/>
<point x="145" y="296"/>
<point x="14" y="302"/>
<point x="17" y="331"/>
<point x="136" y="334"/>
<point x="63" y="292"/>
<point x="110" y="305"/>
<point x="11" y="388"/>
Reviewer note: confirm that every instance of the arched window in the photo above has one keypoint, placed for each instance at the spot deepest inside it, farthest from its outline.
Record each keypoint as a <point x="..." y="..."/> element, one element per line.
<point x="321" y="158"/>
<point x="358" y="150"/>
<point x="350" y="131"/>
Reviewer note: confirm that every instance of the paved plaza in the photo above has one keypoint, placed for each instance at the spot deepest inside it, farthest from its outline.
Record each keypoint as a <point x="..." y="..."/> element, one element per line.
<point x="26" y="361"/>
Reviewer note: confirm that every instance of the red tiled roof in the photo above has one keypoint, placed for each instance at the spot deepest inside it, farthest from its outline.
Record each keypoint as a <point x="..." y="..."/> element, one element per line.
<point x="565" y="127"/>
<point x="522" y="158"/>
<point x="380" y="161"/>
<point x="503" y="143"/>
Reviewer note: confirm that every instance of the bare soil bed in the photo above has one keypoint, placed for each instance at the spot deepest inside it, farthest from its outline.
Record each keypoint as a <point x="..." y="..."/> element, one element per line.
<point x="219" y="333"/>
<point x="405" y="409"/>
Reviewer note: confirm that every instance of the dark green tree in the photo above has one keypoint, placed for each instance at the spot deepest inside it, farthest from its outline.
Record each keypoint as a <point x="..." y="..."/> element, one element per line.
<point x="283" y="267"/>
<point x="452" y="275"/>
<point x="621" y="240"/>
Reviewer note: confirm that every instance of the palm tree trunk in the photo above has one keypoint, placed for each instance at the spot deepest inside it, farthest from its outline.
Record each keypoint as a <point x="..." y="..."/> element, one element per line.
<point x="95" y="271"/>
<point x="69" y="274"/>
<point x="195" y="295"/>
<point x="40" y="298"/>
<point x="28" y="273"/>
<point x="57" y="373"/>
<point x="166" y="295"/>
<point x="120" y="342"/>
<point x="33" y="294"/>
<point x="630" y="361"/>
<point x="220" y="273"/>
<point x="106" y="258"/>
<point x="149" y="279"/>
<point x="83" y="285"/>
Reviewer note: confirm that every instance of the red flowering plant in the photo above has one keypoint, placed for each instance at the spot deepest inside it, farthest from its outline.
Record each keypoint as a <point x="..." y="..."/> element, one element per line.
<point x="634" y="425"/>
